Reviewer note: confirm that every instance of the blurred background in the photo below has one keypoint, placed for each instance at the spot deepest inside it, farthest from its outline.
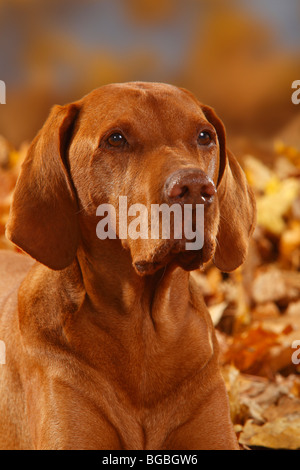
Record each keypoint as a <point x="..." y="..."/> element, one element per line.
<point x="239" y="56"/>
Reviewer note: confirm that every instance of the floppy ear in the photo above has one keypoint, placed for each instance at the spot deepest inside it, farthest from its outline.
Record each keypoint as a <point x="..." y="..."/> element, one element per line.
<point x="43" y="220"/>
<point x="236" y="203"/>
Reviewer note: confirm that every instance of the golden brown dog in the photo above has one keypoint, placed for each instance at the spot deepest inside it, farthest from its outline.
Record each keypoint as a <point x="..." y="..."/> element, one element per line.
<point x="109" y="345"/>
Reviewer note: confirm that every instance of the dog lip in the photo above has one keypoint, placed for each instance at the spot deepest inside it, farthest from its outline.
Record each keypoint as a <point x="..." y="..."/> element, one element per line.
<point x="147" y="267"/>
<point x="176" y="251"/>
<point x="189" y="261"/>
<point x="142" y="266"/>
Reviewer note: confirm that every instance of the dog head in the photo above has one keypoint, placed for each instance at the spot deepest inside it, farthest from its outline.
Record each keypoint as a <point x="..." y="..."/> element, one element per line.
<point x="151" y="145"/>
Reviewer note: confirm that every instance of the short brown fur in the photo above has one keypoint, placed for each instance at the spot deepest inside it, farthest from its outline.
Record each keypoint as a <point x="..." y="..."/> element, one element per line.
<point x="100" y="355"/>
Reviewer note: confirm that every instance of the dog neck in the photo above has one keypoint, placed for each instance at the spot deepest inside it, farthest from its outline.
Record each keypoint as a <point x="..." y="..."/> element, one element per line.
<point x="112" y="284"/>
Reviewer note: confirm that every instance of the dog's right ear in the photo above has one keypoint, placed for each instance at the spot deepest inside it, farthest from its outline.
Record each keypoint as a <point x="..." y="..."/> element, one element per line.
<point x="43" y="220"/>
<point x="236" y="203"/>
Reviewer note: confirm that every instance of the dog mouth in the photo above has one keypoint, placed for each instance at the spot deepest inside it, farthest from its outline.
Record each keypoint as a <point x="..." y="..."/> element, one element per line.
<point x="190" y="261"/>
<point x="176" y="252"/>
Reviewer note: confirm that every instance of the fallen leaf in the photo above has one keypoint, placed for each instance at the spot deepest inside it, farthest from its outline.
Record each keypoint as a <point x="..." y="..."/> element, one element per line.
<point x="275" y="285"/>
<point x="281" y="433"/>
<point x="216" y="312"/>
<point x="273" y="206"/>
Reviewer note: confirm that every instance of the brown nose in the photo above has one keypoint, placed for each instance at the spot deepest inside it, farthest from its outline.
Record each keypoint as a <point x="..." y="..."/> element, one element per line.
<point x="189" y="186"/>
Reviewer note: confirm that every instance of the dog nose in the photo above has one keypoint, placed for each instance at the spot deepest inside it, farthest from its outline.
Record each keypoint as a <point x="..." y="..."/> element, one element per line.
<point x="189" y="186"/>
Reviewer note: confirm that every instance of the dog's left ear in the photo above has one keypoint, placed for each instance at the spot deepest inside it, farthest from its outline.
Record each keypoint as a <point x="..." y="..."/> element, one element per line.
<point x="236" y="203"/>
<point x="43" y="215"/>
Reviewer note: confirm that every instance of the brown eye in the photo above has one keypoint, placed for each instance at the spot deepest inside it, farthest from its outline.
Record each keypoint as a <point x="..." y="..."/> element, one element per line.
<point x="116" y="140"/>
<point x="204" y="138"/>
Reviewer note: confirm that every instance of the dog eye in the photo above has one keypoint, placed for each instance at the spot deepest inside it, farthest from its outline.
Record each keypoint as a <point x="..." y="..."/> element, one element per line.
<point x="116" y="140"/>
<point x="204" y="138"/>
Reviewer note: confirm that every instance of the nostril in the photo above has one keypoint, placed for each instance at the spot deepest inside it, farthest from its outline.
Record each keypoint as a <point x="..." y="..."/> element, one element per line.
<point x="184" y="191"/>
<point x="177" y="191"/>
<point x="208" y="191"/>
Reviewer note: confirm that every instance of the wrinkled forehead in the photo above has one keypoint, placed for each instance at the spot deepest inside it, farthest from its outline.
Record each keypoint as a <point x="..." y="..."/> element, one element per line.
<point x="142" y="105"/>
